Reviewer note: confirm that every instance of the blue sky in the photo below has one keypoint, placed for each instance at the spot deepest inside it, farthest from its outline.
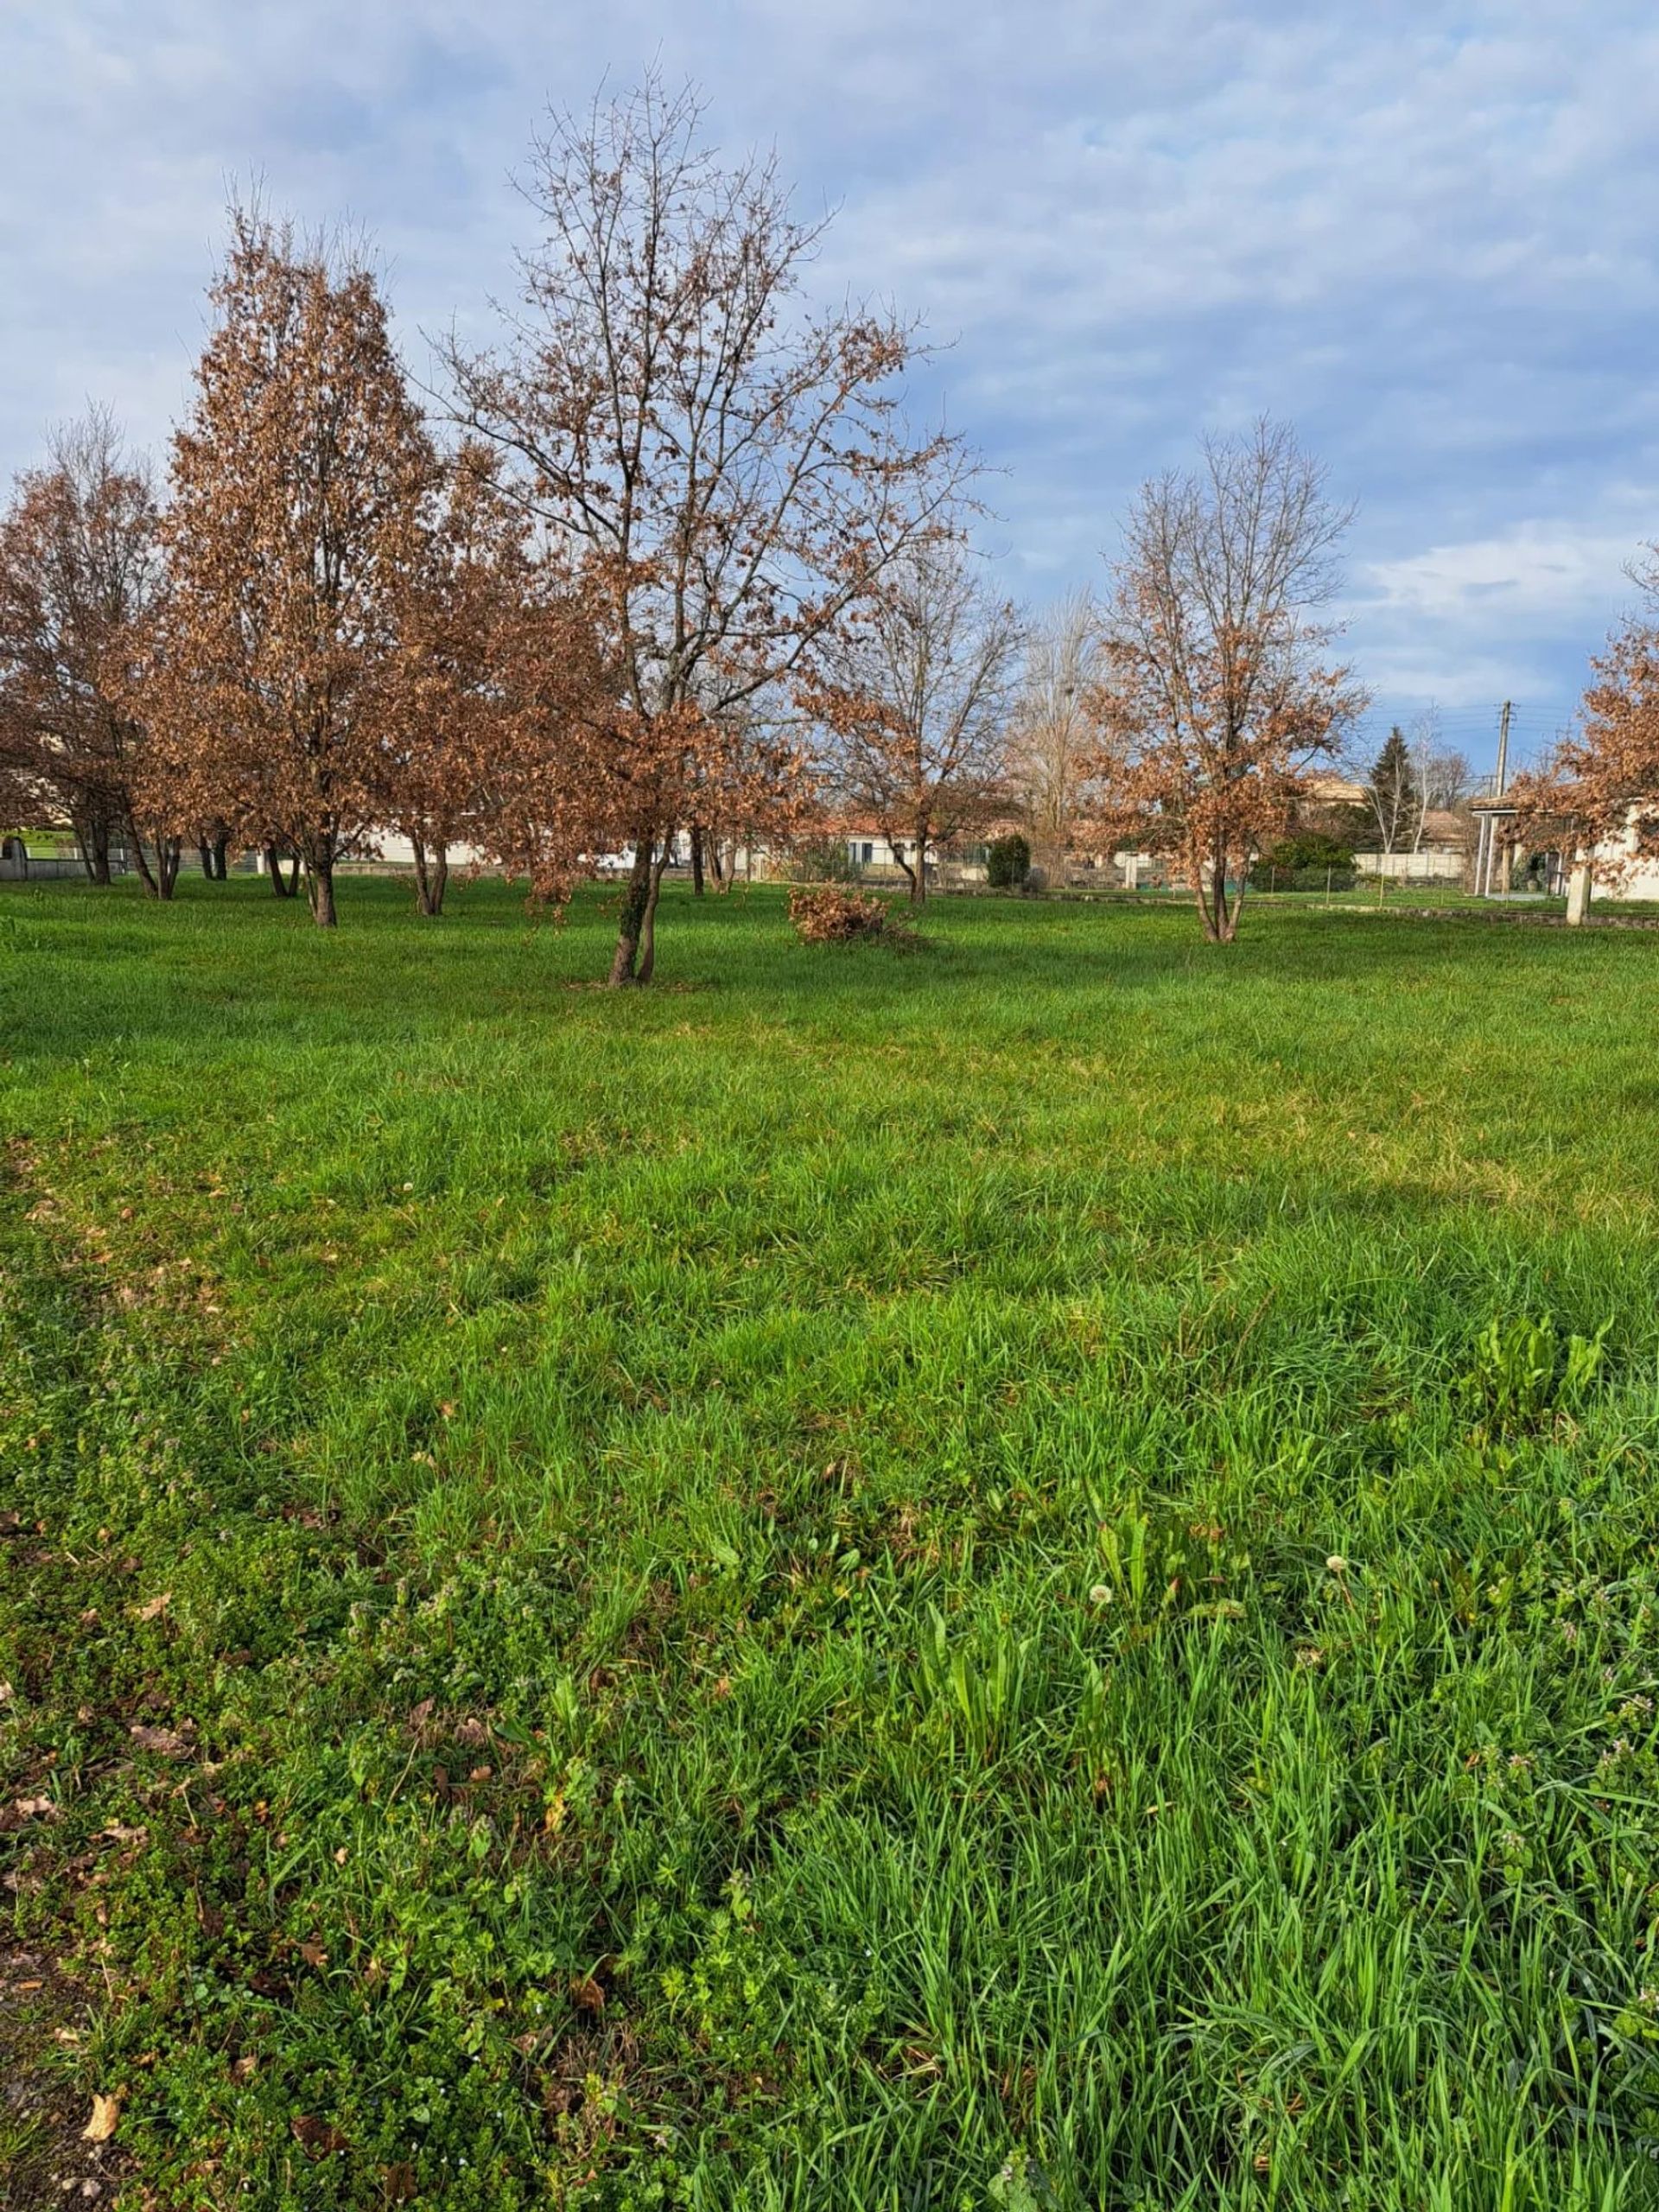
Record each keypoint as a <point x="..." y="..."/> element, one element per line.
<point x="1424" y="233"/>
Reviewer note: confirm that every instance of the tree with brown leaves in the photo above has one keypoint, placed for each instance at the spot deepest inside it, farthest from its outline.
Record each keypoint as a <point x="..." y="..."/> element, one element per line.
<point x="727" y="468"/>
<point x="1599" y="796"/>
<point x="300" y="483"/>
<point x="507" y="704"/>
<point x="452" y="683"/>
<point x="914" y="697"/>
<point x="79" y="570"/>
<point x="1219" y="692"/>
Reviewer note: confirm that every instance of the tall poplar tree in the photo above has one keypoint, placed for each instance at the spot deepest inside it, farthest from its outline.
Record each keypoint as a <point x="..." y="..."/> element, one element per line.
<point x="301" y="486"/>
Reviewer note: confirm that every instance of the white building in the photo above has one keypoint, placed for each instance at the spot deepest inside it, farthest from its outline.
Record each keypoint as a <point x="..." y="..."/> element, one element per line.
<point x="1608" y="873"/>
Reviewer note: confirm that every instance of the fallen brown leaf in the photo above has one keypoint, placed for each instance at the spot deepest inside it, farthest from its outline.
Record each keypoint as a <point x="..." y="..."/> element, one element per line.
<point x="315" y="2137"/>
<point x="166" y="1741"/>
<point x="106" y="2118"/>
<point x="153" y="1608"/>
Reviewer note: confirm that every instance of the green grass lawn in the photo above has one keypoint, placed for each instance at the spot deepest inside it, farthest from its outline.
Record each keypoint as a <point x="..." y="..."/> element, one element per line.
<point x="988" y="1577"/>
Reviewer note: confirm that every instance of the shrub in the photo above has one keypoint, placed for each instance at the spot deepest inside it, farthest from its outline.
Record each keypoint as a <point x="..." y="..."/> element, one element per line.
<point x="1308" y="861"/>
<point x="1264" y="877"/>
<point x="828" y="914"/>
<point x="1007" y="862"/>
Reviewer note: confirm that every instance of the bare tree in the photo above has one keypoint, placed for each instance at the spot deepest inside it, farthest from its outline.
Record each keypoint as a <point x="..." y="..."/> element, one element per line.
<point x="728" y="465"/>
<point x="1447" y="778"/>
<point x="1050" y="736"/>
<point x="1219" y="693"/>
<point x="914" y="700"/>
<point x="1393" y="795"/>
<point x="1416" y="773"/>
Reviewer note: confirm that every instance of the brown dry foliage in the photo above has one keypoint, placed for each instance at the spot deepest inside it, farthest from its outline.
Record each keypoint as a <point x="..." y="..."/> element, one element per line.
<point x="725" y="467"/>
<point x="494" y="690"/>
<point x="1219" y="693"/>
<point x="1600" y="793"/>
<point x="79" y="572"/>
<point x="299" y="488"/>
<point x="827" y="913"/>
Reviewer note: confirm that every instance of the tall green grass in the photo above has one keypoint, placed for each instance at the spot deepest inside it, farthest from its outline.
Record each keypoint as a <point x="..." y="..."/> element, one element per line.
<point x="1021" y="1576"/>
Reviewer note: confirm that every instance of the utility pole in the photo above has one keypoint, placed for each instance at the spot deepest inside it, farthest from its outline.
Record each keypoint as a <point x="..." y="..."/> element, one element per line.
<point x="1506" y="856"/>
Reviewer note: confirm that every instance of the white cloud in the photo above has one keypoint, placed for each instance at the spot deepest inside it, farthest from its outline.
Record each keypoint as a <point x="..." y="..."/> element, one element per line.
<point x="1422" y="232"/>
<point x="1536" y="570"/>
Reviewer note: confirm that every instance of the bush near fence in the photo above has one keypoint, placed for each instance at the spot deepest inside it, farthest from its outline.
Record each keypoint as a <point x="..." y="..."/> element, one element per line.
<point x="1265" y="877"/>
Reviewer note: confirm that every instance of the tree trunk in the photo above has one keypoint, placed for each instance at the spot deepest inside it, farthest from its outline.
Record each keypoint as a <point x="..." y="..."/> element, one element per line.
<point x="431" y="876"/>
<point x="160" y="879"/>
<point x="94" y="841"/>
<point x="218" y="850"/>
<point x="320" y="889"/>
<point x="135" y="845"/>
<point x="1207" y="910"/>
<point x="1220" y="917"/>
<point x="697" y="860"/>
<point x="1577" y="892"/>
<point x="635" y="898"/>
<point x="1230" y="913"/>
<point x="1049" y="854"/>
<point x="648" y="929"/>
<point x="284" y="887"/>
<point x="915" y="876"/>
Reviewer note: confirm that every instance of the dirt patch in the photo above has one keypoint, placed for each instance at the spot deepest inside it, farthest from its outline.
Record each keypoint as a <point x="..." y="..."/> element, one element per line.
<point x="45" y="2158"/>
